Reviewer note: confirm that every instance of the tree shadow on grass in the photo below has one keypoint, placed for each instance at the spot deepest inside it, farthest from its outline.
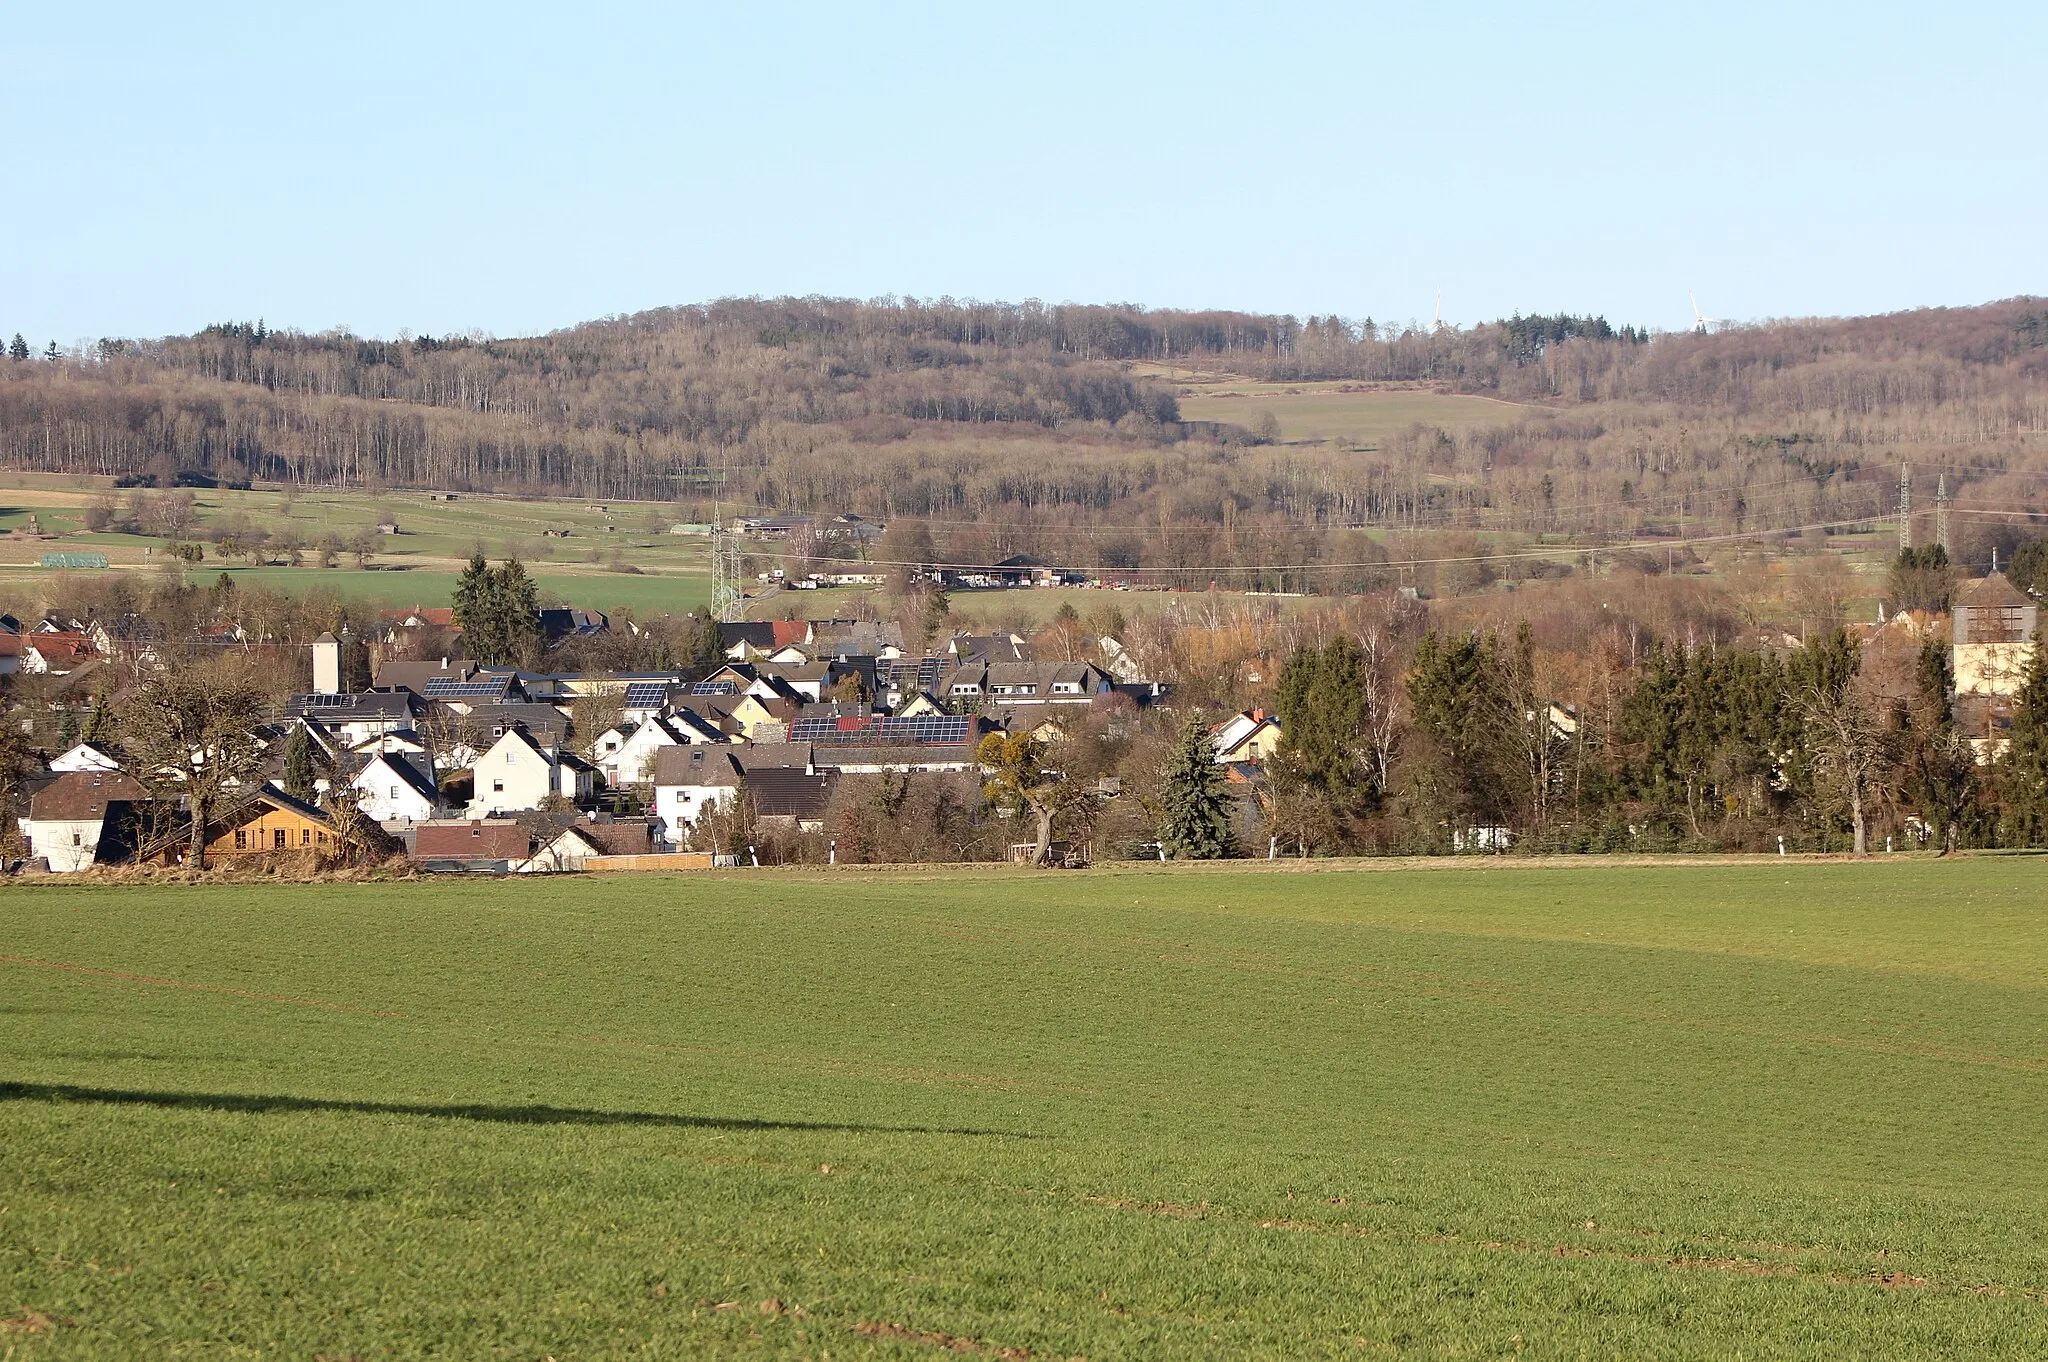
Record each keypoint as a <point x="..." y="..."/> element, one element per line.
<point x="506" y="1115"/>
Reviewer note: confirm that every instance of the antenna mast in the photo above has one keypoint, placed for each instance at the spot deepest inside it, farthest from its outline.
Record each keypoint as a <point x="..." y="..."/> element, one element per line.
<point x="1941" y="512"/>
<point x="728" y="592"/>
<point x="1905" y="507"/>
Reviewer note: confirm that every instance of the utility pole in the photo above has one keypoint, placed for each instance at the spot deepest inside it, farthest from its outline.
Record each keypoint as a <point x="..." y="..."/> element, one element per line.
<point x="1905" y="507"/>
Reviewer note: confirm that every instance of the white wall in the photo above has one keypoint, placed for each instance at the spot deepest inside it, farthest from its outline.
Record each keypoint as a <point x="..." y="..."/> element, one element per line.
<point x="69" y="843"/>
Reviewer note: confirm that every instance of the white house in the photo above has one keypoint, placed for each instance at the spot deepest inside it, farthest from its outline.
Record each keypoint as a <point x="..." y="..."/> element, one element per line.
<point x="688" y="779"/>
<point x="568" y="851"/>
<point x="354" y="719"/>
<point x="625" y="755"/>
<point x="391" y="789"/>
<point x="86" y="756"/>
<point x="1251" y="736"/>
<point x="66" y="817"/>
<point x="518" y="773"/>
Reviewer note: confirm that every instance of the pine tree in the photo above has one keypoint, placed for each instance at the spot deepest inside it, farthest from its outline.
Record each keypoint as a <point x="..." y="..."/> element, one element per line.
<point x="298" y="765"/>
<point x="19" y="350"/>
<point x="99" y="723"/>
<point x="498" y="609"/>
<point x="1320" y="703"/>
<point x="469" y="589"/>
<point x="2023" y="770"/>
<point x="1196" y="821"/>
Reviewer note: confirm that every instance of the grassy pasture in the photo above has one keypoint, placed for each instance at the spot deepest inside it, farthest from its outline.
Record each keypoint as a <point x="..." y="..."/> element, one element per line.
<point x="1326" y="411"/>
<point x="1756" y="1110"/>
<point x="415" y="567"/>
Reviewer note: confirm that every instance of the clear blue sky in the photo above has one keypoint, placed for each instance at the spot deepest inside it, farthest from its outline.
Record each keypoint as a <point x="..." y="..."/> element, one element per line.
<point x="520" y="167"/>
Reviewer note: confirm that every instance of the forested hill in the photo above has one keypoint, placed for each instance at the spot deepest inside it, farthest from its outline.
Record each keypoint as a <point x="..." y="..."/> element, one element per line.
<point x="965" y="412"/>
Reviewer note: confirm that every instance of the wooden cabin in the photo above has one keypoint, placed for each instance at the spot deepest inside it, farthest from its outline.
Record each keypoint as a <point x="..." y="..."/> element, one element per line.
<point x="271" y="822"/>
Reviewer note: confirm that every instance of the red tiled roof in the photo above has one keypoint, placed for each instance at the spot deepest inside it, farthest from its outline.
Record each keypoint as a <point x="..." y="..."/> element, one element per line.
<point x="83" y="795"/>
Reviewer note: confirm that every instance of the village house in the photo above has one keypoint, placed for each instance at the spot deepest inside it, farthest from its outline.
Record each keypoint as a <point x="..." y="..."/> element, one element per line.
<point x="745" y="640"/>
<point x="690" y="780"/>
<point x="1026" y="683"/>
<point x="594" y="838"/>
<point x="67" y="816"/>
<point x="791" y="798"/>
<point x="471" y="844"/>
<point x="391" y="788"/>
<point x="366" y="714"/>
<point x="517" y="772"/>
<point x="1992" y="638"/>
<point x="1249" y="737"/>
<point x="85" y="756"/>
<point x="267" y="821"/>
<point x="625" y="755"/>
<point x="51" y="653"/>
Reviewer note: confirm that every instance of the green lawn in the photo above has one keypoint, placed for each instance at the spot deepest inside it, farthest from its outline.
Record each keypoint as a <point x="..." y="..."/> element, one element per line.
<point x="1548" y="1112"/>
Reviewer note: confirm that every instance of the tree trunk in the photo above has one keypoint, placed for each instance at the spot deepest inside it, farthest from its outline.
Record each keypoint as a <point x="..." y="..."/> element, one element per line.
<point x="1856" y="817"/>
<point x="195" y="856"/>
<point x="1044" y="814"/>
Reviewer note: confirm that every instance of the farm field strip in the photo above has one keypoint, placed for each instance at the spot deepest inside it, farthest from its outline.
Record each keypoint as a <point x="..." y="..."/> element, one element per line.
<point x="1641" y="1110"/>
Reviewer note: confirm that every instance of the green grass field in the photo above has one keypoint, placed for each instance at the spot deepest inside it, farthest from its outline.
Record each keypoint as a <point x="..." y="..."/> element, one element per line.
<point x="1765" y="1110"/>
<point x="416" y="567"/>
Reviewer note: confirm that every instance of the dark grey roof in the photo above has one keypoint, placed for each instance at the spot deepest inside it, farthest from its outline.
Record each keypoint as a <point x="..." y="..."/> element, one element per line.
<point x="369" y="704"/>
<point x="781" y="793"/>
<point x="697" y="764"/>
<point x="535" y="718"/>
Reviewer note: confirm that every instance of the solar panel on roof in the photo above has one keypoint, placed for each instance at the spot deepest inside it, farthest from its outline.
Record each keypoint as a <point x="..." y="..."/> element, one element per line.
<point x="715" y="688"/>
<point x="329" y="700"/>
<point x="447" y="688"/>
<point x="646" y="695"/>
<point x="888" y="730"/>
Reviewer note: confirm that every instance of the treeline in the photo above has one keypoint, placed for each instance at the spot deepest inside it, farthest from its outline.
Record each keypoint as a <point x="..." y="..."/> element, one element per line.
<point x="1049" y="430"/>
<point x="1463" y="745"/>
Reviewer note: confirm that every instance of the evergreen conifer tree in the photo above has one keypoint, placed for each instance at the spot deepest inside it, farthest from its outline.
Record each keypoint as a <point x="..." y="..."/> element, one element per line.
<point x="498" y="609"/>
<point x="298" y="765"/>
<point x="1195" y="825"/>
<point x="19" y="350"/>
<point x="2023" y="770"/>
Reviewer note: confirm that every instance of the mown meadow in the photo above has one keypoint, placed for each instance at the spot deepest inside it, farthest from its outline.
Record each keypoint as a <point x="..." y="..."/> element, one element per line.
<point x="1773" y="1109"/>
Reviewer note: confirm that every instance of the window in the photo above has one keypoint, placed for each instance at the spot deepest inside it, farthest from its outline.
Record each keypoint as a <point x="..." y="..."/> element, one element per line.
<point x="497" y="787"/>
<point x="305" y="837"/>
<point x="394" y="792"/>
<point x="277" y="839"/>
<point x="77" y="840"/>
<point x="241" y="839"/>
